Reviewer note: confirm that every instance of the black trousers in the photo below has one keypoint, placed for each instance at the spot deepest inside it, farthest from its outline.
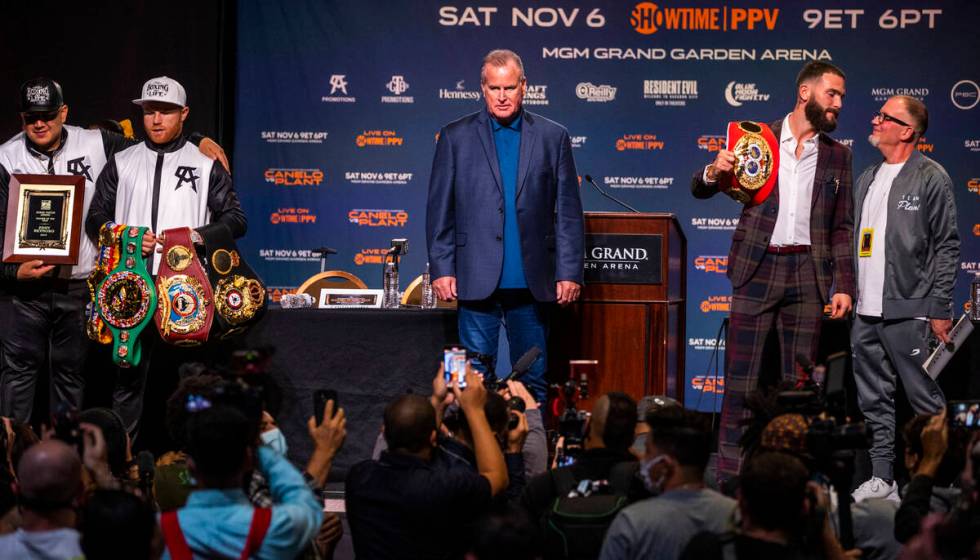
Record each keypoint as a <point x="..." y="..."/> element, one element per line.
<point x="46" y="333"/>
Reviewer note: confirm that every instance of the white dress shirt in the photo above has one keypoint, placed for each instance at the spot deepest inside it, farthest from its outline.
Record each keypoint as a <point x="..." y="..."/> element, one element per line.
<point x="795" y="189"/>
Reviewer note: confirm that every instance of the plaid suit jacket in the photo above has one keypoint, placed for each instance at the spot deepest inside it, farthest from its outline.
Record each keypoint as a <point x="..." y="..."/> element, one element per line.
<point x="831" y="222"/>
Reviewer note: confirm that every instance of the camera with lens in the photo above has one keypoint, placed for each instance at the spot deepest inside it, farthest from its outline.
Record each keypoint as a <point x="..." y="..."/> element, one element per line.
<point x="823" y="401"/>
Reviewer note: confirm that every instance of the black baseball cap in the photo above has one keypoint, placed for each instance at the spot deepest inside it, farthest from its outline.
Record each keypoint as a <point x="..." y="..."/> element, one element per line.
<point x="40" y="95"/>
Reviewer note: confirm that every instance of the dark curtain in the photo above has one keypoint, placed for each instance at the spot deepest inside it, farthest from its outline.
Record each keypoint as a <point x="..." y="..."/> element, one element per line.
<point x="101" y="52"/>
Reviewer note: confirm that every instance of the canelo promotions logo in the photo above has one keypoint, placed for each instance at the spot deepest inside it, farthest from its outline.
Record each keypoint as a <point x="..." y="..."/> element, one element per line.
<point x="647" y="18"/>
<point x="293" y="177"/>
<point x="377" y="218"/>
<point x="378" y="138"/>
<point x="338" y="90"/>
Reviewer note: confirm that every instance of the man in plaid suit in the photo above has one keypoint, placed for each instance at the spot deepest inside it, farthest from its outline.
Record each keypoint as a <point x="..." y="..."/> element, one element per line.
<point x="791" y="253"/>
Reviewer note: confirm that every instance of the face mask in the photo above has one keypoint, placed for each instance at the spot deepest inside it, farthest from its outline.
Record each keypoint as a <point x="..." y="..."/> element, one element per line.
<point x="655" y="487"/>
<point x="274" y="439"/>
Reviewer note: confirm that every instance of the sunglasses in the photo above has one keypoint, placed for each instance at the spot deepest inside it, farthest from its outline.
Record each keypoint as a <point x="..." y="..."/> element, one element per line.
<point x="886" y="117"/>
<point x="46" y="116"/>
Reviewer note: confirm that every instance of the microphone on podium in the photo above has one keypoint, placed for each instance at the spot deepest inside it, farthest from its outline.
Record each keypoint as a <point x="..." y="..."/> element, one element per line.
<point x="609" y="196"/>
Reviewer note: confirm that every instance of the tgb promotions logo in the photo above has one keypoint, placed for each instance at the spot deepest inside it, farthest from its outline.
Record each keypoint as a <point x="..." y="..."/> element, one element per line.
<point x="592" y="93"/>
<point x="736" y="94"/>
<point x="397" y="86"/>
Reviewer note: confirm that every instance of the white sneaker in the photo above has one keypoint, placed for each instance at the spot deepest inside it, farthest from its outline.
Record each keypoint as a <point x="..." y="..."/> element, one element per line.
<point x="876" y="488"/>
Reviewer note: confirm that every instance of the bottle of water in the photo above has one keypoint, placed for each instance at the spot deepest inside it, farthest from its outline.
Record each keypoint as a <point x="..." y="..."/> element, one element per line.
<point x="391" y="287"/>
<point x="428" y="296"/>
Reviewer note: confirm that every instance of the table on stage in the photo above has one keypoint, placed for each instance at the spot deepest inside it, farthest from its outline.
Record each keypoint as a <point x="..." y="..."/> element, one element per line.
<point x="368" y="356"/>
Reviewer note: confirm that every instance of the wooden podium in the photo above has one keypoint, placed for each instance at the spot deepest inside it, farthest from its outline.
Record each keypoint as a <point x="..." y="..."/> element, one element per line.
<point x="631" y="315"/>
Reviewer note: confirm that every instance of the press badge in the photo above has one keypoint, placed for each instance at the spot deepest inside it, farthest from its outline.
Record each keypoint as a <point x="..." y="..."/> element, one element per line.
<point x="867" y="236"/>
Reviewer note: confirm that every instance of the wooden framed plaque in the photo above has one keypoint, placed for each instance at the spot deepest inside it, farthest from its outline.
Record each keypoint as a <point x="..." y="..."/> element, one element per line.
<point x="44" y="218"/>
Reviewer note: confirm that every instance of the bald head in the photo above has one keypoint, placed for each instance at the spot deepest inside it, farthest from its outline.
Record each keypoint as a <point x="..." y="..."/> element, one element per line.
<point x="50" y="475"/>
<point x="410" y="421"/>
<point x="613" y="421"/>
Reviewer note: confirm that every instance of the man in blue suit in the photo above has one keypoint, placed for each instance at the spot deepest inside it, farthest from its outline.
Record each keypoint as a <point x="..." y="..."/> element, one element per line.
<point x="504" y="219"/>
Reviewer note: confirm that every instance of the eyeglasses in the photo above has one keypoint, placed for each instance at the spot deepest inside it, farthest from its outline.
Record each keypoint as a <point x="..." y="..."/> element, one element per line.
<point x="46" y="116"/>
<point x="886" y="117"/>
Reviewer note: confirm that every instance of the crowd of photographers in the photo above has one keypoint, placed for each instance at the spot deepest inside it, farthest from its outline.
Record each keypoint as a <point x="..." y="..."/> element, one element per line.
<point x="464" y="473"/>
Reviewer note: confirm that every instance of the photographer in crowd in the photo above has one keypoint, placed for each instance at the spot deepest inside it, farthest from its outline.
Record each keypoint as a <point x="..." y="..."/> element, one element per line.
<point x="404" y="506"/>
<point x="677" y="451"/>
<point x="783" y="516"/>
<point x="596" y="455"/>
<point x="218" y="520"/>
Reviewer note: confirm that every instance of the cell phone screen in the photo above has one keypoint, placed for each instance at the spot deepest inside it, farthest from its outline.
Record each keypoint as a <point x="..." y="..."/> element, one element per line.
<point x="964" y="414"/>
<point x="454" y="364"/>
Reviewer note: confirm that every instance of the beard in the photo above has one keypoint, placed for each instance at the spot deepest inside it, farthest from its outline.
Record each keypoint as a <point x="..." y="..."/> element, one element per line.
<point x="874" y="140"/>
<point x="817" y="115"/>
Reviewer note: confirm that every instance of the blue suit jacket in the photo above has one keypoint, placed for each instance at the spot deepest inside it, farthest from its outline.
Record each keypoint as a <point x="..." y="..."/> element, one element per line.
<point x="465" y="212"/>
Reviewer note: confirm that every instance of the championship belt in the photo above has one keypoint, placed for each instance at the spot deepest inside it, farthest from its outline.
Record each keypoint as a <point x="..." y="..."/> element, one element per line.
<point x="185" y="304"/>
<point x="126" y="298"/>
<point x="756" y="161"/>
<point x="239" y="296"/>
<point x="95" y="327"/>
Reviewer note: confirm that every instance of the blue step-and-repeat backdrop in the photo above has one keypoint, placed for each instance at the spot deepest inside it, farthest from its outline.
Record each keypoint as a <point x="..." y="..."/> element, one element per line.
<point x="339" y="104"/>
